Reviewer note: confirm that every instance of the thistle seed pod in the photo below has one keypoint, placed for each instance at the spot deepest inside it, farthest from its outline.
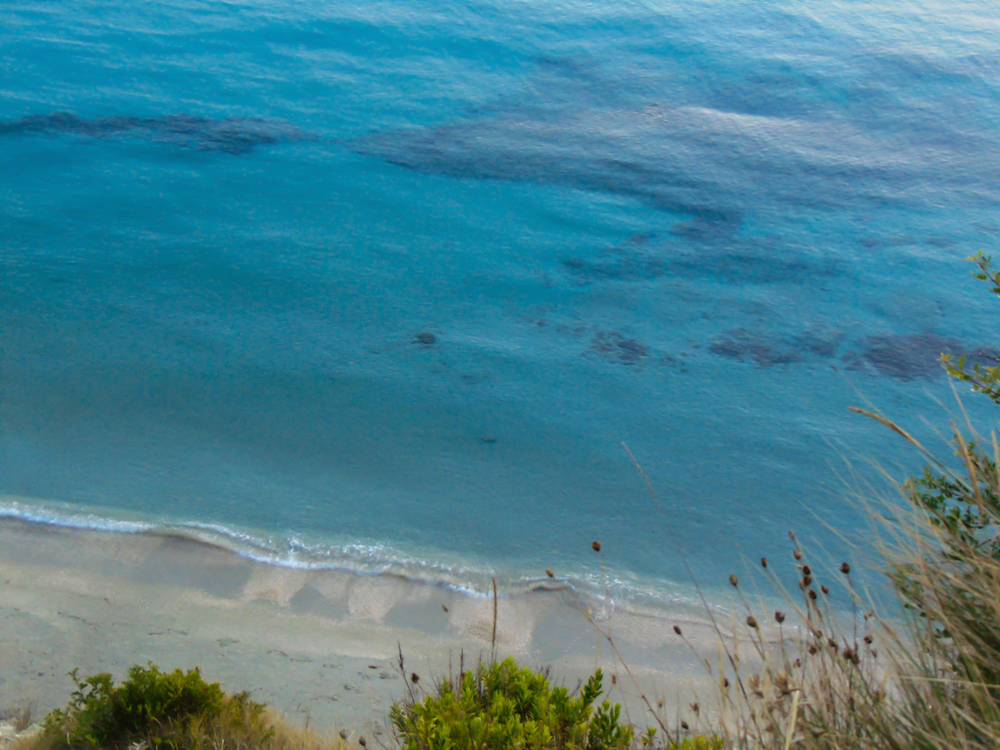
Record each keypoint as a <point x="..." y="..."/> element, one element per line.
<point x="845" y="569"/>
<point x="780" y="617"/>
<point x="596" y="546"/>
<point x="550" y="573"/>
<point x="677" y="629"/>
<point x="797" y="555"/>
<point x="763" y="562"/>
<point x="414" y="678"/>
<point x="734" y="581"/>
<point x="752" y="621"/>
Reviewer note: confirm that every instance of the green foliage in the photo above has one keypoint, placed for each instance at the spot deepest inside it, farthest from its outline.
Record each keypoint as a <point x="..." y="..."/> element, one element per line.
<point x="503" y="706"/>
<point x="153" y="706"/>
<point x="983" y="378"/>
<point x="965" y="514"/>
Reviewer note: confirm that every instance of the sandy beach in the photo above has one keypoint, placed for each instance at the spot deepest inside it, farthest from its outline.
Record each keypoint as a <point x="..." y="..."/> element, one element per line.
<point x="317" y="645"/>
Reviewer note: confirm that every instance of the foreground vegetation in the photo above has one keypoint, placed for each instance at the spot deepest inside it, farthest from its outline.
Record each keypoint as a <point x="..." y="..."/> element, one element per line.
<point x="927" y="679"/>
<point x="166" y="710"/>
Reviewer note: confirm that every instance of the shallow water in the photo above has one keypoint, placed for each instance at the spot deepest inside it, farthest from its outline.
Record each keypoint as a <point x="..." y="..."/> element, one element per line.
<point x="385" y="286"/>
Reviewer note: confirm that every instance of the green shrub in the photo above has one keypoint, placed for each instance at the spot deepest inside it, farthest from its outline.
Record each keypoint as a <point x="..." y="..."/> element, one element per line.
<point x="502" y="706"/>
<point x="152" y="706"/>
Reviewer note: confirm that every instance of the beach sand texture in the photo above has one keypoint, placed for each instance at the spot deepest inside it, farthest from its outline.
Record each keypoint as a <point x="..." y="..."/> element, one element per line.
<point x="313" y="644"/>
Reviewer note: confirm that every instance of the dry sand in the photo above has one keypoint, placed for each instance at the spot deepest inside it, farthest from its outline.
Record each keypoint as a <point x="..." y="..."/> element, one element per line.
<point x="313" y="644"/>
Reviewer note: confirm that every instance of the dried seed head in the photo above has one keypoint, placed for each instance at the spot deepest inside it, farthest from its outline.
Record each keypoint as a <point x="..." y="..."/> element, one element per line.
<point x="868" y="639"/>
<point x="763" y="562"/>
<point x="832" y="643"/>
<point x="444" y="607"/>
<point x="780" y="617"/>
<point x="806" y="570"/>
<point x="684" y="726"/>
<point x="414" y="678"/>
<point x="807" y="580"/>
<point x="813" y="650"/>
<point x="824" y="589"/>
<point x="812" y="594"/>
<point x="659" y="703"/>
<point x="596" y="546"/>
<point x="725" y="682"/>
<point x="614" y="679"/>
<point x="845" y="569"/>
<point x="751" y="621"/>
<point x="361" y="741"/>
<point x="797" y="555"/>
<point x="695" y="707"/>
<point x="343" y="734"/>
<point x="798" y="663"/>
<point x="550" y="573"/>
<point x="677" y="629"/>
<point x="734" y="581"/>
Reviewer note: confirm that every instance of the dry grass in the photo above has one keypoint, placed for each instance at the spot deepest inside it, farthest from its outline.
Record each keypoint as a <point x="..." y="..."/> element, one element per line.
<point x="925" y="676"/>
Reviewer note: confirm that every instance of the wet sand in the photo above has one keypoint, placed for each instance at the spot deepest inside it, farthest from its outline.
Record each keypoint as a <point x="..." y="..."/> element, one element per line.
<point x="317" y="645"/>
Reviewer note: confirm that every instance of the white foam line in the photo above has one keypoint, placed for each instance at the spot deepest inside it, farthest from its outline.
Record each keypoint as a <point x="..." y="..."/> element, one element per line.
<point x="357" y="559"/>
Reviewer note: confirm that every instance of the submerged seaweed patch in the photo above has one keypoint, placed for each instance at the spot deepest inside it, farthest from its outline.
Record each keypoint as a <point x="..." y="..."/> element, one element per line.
<point x="744" y="345"/>
<point x="234" y="135"/>
<point x="903" y="357"/>
<point x="765" y="350"/>
<point x="613" y="347"/>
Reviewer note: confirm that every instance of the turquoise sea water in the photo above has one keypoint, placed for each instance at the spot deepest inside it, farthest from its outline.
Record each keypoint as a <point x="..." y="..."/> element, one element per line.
<point x="385" y="285"/>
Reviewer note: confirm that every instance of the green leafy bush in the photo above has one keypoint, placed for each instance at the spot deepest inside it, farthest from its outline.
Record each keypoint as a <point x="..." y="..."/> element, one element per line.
<point x="152" y="706"/>
<point x="502" y="706"/>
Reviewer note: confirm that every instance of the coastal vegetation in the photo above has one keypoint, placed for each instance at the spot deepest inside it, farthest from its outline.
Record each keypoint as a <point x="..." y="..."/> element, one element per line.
<point x="925" y="675"/>
<point x="154" y="710"/>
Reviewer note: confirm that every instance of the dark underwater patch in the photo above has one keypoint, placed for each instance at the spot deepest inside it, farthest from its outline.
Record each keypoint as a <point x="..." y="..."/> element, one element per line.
<point x="748" y="346"/>
<point x="903" y="357"/>
<point x="235" y="135"/>
<point x="613" y="347"/>
<point x="767" y="350"/>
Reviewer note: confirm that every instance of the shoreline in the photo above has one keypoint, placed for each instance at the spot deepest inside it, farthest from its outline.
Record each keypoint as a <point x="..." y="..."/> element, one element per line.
<point x="319" y="645"/>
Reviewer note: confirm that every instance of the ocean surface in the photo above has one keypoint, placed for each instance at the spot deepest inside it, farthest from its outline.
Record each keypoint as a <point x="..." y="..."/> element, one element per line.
<point x="385" y="286"/>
